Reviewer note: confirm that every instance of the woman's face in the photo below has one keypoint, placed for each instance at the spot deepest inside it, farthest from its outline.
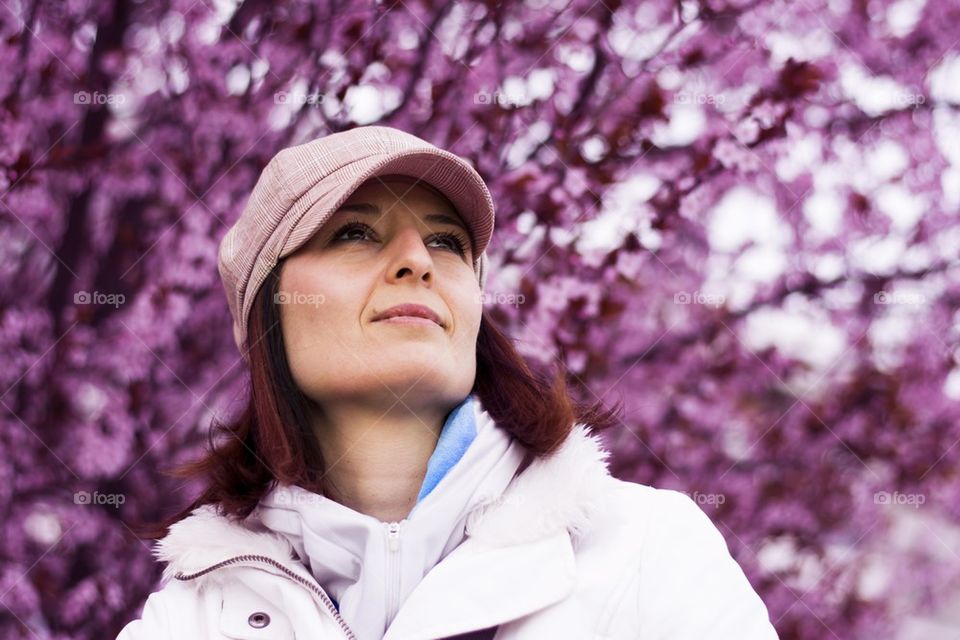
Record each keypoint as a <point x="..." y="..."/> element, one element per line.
<point x="393" y="242"/>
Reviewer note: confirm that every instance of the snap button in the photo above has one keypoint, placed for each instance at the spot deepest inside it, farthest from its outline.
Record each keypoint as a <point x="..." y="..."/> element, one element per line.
<point x="258" y="620"/>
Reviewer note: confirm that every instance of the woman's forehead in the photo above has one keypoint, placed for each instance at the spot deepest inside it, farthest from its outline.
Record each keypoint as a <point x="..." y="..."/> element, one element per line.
<point x="410" y="181"/>
<point x="401" y="188"/>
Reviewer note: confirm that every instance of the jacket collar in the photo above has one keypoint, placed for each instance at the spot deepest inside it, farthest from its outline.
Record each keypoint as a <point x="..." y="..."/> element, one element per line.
<point x="524" y="539"/>
<point x="370" y="567"/>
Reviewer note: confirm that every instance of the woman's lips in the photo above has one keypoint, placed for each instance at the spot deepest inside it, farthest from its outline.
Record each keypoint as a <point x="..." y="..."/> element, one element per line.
<point x="409" y="314"/>
<point x="409" y="320"/>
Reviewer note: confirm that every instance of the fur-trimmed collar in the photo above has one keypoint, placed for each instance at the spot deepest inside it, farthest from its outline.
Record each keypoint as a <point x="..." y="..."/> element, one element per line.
<point x="561" y="491"/>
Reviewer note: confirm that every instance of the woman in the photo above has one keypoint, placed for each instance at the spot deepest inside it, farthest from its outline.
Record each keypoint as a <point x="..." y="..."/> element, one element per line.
<point x="400" y="472"/>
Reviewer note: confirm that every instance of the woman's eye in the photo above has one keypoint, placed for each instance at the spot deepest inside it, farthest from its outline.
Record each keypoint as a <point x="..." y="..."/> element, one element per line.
<point x="352" y="231"/>
<point x="357" y="231"/>
<point x="451" y="241"/>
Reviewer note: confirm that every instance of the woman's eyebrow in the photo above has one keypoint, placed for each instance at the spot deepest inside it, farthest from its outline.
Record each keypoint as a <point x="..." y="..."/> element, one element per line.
<point x="360" y="207"/>
<point x="372" y="209"/>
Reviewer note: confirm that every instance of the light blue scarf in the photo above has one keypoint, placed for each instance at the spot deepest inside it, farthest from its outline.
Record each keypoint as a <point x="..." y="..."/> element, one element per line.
<point x="458" y="432"/>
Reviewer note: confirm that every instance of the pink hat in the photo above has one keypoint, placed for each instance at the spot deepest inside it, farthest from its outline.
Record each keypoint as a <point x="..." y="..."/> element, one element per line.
<point x="302" y="186"/>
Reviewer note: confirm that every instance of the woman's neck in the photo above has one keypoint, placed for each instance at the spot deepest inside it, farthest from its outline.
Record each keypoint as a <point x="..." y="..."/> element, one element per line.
<point x="376" y="459"/>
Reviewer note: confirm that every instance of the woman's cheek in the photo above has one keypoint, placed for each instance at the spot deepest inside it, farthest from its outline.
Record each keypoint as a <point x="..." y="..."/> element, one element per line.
<point x="304" y="301"/>
<point x="471" y="310"/>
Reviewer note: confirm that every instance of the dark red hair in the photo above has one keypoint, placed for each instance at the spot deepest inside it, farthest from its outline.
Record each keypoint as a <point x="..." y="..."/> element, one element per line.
<point x="271" y="440"/>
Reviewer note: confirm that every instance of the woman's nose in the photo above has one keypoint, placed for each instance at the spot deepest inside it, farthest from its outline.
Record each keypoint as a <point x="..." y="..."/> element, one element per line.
<point x="409" y="256"/>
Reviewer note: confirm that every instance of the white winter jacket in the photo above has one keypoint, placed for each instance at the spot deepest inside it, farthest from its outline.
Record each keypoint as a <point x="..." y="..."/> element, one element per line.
<point x="565" y="551"/>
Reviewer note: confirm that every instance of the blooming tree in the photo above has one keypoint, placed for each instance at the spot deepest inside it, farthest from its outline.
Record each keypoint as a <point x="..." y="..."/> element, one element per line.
<point x="738" y="217"/>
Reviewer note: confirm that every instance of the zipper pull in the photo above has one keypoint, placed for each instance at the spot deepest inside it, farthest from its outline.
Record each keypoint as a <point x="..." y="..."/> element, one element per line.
<point x="393" y="535"/>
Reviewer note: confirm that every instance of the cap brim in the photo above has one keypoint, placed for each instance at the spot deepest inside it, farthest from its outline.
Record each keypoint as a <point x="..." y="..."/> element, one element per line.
<point x="445" y="172"/>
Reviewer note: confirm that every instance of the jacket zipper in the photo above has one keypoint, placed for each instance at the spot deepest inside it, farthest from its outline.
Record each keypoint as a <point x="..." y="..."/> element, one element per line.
<point x="393" y="567"/>
<point x="292" y="575"/>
